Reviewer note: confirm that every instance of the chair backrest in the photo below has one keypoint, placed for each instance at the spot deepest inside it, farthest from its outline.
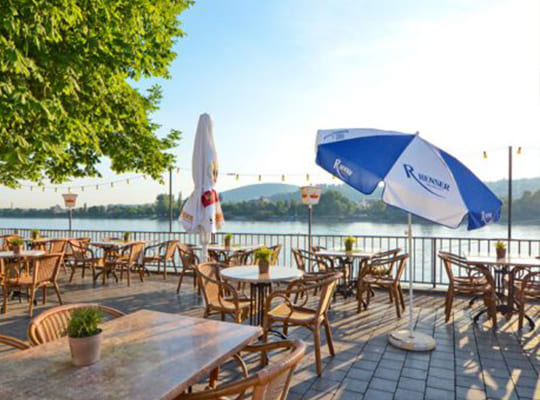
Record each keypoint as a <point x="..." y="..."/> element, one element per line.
<point x="276" y="249"/>
<point x="531" y="283"/>
<point x="453" y="260"/>
<point x="210" y="281"/>
<point x="51" y="246"/>
<point x="135" y="251"/>
<point x="187" y="256"/>
<point x="380" y="268"/>
<point x="46" y="267"/>
<point x="397" y="263"/>
<point x="52" y="324"/>
<point x="270" y="383"/>
<point x="6" y="245"/>
<point x="327" y="288"/>
<point x="306" y="260"/>
<point x="13" y="342"/>
<point x="170" y="247"/>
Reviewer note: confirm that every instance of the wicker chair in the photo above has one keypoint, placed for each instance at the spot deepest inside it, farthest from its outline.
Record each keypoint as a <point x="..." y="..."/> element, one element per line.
<point x="526" y="287"/>
<point x="270" y="383"/>
<point x="43" y="275"/>
<point x="308" y="262"/>
<point x="81" y="256"/>
<point x="50" y="246"/>
<point x="220" y="297"/>
<point x="189" y="262"/>
<point x="470" y="280"/>
<point x="384" y="273"/>
<point x="130" y="258"/>
<point x="291" y="312"/>
<point x="276" y="249"/>
<point x="13" y="342"/>
<point x="52" y="324"/>
<point x="163" y="254"/>
<point x="6" y="245"/>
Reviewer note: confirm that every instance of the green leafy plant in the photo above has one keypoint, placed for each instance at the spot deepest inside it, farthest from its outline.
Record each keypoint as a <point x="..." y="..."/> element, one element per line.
<point x="34" y="233"/>
<point x="16" y="242"/>
<point x="84" y="322"/>
<point x="349" y="243"/>
<point x="228" y="236"/>
<point x="263" y="254"/>
<point x="127" y="236"/>
<point x="500" y="245"/>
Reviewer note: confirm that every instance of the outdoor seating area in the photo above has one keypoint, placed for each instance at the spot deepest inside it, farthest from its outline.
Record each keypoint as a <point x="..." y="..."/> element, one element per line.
<point x="290" y="307"/>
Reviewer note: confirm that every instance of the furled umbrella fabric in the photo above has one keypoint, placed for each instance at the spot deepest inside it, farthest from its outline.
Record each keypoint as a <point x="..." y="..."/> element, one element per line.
<point x="202" y="211"/>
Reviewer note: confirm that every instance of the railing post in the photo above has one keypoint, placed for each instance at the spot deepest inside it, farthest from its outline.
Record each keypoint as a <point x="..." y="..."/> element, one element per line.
<point x="434" y="262"/>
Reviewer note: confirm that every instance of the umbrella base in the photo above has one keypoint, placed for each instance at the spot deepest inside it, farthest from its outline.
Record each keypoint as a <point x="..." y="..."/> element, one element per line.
<point x="411" y="341"/>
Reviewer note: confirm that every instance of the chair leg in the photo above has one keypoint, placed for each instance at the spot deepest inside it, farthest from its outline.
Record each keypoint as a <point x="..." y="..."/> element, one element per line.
<point x="180" y="281"/>
<point x="5" y="295"/>
<point x="128" y="273"/>
<point x="448" y="304"/>
<point x="391" y="297"/>
<point x="44" y="292"/>
<point x="164" y="270"/>
<point x="73" y="268"/>
<point x="57" y="291"/>
<point x="317" y="345"/>
<point x="31" y="298"/>
<point x="521" y="313"/>
<point x="329" y="340"/>
<point x="398" y="306"/>
<point x="400" y="292"/>
<point x="174" y="265"/>
<point x="285" y="328"/>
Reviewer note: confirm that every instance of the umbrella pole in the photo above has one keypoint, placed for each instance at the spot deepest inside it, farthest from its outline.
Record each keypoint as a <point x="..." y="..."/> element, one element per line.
<point x="408" y="339"/>
<point x="205" y="239"/>
<point x="410" y="276"/>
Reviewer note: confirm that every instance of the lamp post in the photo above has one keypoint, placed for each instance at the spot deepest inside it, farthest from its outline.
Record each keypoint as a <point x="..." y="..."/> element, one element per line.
<point x="69" y="201"/>
<point x="310" y="196"/>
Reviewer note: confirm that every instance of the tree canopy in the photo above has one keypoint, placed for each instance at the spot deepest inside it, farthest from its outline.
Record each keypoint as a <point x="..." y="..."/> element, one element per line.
<point x="65" y="99"/>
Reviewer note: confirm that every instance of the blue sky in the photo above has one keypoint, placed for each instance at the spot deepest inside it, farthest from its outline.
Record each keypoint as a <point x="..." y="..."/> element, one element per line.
<point x="463" y="73"/>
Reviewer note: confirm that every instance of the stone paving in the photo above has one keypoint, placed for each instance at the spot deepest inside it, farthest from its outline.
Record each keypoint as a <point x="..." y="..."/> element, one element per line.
<point x="470" y="361"/>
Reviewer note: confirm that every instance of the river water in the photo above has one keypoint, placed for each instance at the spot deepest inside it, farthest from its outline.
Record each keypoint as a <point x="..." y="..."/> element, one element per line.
<point x="353" y="228"/>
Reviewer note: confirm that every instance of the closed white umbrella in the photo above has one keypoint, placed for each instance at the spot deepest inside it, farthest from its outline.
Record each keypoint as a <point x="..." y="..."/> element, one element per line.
<point x="202" y="212"/>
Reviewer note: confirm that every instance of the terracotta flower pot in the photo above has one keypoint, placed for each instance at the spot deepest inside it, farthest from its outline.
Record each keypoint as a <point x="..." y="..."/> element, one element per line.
<point x="227" y="242"/>
<point x="501" y="253"/>
<point x="17" y="250"/>
<point x="264" y="266"/>
<point x="348" y="247"/>
<point x="86" y="350"/>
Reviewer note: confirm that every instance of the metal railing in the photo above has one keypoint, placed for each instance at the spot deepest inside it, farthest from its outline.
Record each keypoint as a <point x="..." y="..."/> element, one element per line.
<point x="428" y="269"/>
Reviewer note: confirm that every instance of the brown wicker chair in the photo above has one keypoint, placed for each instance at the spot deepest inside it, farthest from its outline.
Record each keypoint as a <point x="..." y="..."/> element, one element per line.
<point x="189" y="262"/>
<point x="43" y="275"/>
<point x="276" y="249"/>
<point x="291" y="312"/>
<point x="384" y="273"/>
<point x="163" y="254"/>
<point x="470" y="280"/>
<point x="52" y="324"/>
<point x="129" y="258"/>
<point x="13" y="342"/>
<point x="526" y="287"/>
<point x="270" y="383"/>
<point x="50" y="246"/>
<point x="6" y="245"/>
<point x="81" y="256"/>
<point x="220" y="297"/>
<point x="310" y="263"/>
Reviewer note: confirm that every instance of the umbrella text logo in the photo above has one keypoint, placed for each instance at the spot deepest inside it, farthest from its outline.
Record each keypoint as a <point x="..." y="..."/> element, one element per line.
<point x="342" y="171"/>
<point x="433" y="185"/>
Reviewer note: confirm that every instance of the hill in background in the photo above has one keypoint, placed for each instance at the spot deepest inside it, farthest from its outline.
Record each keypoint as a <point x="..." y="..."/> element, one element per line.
<point x="281" y="191"/>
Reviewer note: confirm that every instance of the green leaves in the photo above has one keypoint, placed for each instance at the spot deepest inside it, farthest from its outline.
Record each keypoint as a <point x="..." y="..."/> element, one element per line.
<point x="64" y="97"/>
<point x="84" y="322"/>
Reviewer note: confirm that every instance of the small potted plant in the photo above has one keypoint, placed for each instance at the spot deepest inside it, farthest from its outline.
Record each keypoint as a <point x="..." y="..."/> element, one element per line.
<point x="500" y="248"/>
<point x="85" y="336"/>
<point x="127" y="236"/>
<point x="349" y="243"/>
<point x="34" y="234"/>
<point x="17" y="245"/>
<point x="263" y="256"/>
<point x="228" y="240"/>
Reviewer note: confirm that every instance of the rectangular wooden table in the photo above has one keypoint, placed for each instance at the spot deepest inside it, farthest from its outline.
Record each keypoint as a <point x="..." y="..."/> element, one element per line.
<point x="145" y="355"/>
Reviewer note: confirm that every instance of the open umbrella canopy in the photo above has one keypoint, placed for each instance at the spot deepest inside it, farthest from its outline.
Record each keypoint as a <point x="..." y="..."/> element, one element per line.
<point x="202" y="211"/>
<point x="418" y="177"/>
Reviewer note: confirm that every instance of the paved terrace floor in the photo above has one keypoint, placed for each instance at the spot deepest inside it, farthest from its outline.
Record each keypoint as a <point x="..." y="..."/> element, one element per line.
<point x="470" y="362"/>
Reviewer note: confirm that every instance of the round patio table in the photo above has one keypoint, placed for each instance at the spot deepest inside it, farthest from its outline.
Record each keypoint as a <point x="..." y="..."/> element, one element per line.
<point x="260" y="284"/>
<point x="21" y="257"/>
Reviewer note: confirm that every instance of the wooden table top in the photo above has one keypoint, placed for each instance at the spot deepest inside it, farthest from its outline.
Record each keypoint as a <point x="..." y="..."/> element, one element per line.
<point x="250" y="274"/>
<point x="145" y="355"/>
<point x="233" y="248"/>
<point x="518" y="261"/>
<point x="23" y="254"/>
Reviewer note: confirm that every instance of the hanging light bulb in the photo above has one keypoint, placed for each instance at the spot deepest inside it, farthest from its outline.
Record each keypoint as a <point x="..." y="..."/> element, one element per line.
<point x="260" y="178"/>
<point x="127" y="181"/>
<point x="307" y="177"/>
<point x="177" y="170"/>
<point x="112" y="184"/>
<point x="282" y="178"/>
<point x="519" y="150"/>
<point x="485" y="155"/>
<point x="97" y="187"/>
<point x="31" y="188"/>
<point x="82" y="188"/>
<point x="237" y="177"/>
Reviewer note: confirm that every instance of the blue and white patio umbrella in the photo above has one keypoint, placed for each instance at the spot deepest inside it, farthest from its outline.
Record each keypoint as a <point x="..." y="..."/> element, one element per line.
<point x="418" y="178"/>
